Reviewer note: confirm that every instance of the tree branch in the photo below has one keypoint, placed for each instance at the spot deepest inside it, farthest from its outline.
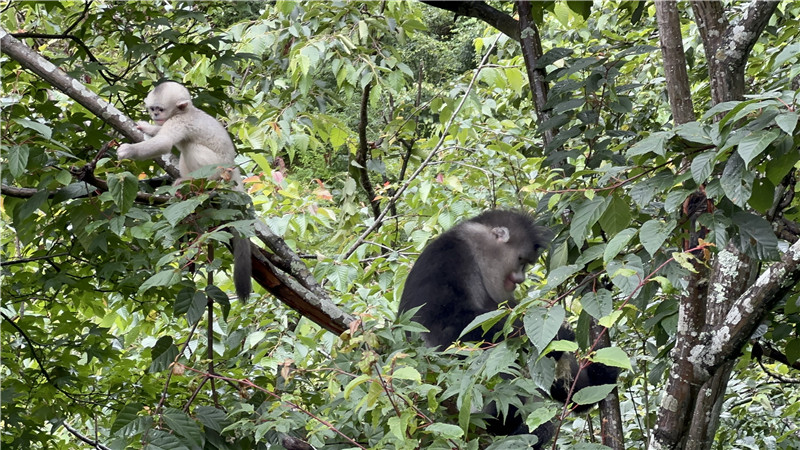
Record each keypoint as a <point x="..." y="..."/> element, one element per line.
<point x="481" y="10"/>
<point x="59" y="79"/>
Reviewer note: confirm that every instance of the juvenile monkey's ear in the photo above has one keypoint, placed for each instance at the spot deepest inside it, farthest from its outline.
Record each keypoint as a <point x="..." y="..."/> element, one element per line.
<point x="501" y="234"/>
<point x="183" y="104"/>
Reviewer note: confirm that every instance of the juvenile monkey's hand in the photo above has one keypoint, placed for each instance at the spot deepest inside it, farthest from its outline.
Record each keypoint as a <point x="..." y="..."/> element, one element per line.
<point x="125" y="151"/>
<point x="148" y="128"/>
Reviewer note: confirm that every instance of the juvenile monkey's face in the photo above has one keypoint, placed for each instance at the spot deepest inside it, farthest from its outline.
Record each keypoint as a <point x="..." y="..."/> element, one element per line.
<point x="157" y="114"/>
<point x="166" y="100"/>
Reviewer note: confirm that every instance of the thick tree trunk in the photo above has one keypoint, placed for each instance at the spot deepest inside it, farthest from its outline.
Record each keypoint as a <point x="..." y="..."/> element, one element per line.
<point x="718" y="312"/>
<point x="531" y="44"/>
<point x="669" y="35"/>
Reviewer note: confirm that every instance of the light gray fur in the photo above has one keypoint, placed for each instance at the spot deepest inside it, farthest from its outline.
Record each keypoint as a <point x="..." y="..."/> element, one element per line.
<point x="202" y="141"/>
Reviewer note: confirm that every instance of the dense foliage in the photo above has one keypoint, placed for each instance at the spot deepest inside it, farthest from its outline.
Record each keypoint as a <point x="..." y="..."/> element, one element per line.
<point x="105" y="330"/>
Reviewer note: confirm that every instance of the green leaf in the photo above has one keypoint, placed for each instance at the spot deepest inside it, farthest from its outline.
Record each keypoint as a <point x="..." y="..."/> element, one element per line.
<point x="694" y="132"/>
<point x="163" y="354"/>
<point x="754" y="144"/>
<point x="220" y="298"/>
<point x="444" y="430"/>
<point x="586" y="215"/>
<point x="197" y="307"/>
<point x="180" y="422"/>
<point x="485" y="320"/>
<point x="182" y="301"/>
<point x="542" y="324"/>
<point x="612" y="356"/>
<point x="540" y="416"/>
<point x="702" y="165"/>
<point x="756" y="237"/>
<point x="126" y="415"/>
<point x="123" y="188"/>
<point x="40" y="128"/>
<point x="793" y="350"/>
<point x="737" y="181"/>
<point x="163" y="278"/>
<point x="617" y="216"/>
<point x="561" y="274"/>
<point x="31" y="205"/>
<point x="176" y="212"/>
<point x="656" y="143"/>
<point x="407" y="373"/>
<point x="787" y="122"/>
<point x="598" y="304"/>
<point x="654" y="233"/>
<point x="592" y="394"/>
<point x="617" y="243"/>
<point x="212" y="418"/>
<point x="18" y="159"/>
<point x="500" y="359"/>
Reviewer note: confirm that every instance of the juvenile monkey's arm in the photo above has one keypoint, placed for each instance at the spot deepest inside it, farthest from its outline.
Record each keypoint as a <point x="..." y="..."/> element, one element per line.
<point x="149" y="149"/>
<point x="148" y="128"/>
<point x="166" y="136"/>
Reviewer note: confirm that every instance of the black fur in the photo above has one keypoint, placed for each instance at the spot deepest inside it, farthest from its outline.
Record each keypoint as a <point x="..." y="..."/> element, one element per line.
<point x="446" y="282"/>
<point x="440" y="278"/>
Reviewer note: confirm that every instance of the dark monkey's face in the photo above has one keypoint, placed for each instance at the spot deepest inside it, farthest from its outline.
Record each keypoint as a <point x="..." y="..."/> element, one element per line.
<point x="501" y="259"/>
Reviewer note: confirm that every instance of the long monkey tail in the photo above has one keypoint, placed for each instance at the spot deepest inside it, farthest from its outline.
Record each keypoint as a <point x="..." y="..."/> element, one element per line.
<point x="242" y="267"/>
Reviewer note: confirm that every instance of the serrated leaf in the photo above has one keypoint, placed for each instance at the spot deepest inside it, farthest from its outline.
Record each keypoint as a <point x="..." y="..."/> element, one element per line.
<point x="123" y="188"/>
<point x="702" y="165"/>
<point x="694" y="132"/>
<point x="31" y="205"/>
<point x="176" y="212"/>
<point x="163" y="354"/>
<point x="221" y="298"/>
<point x="561" y="274"/>
<point x="163" y="278"/>
<point x="617" y="216"/>
<point x="655" y="143"/>
<point x="654" y="233"/>
<point x="597" y="304"/>
<point x="197" y="307"/>
<point x="254" y="339"/>
<point x="42" y="129"/>
<point x="212" y="418"/>
<point x="182" y="301"/>
<point x="500" y="359"/>
<point x="617" y="243"/>
<point x="180" y="422"/>
<point x="675" y="200"/>
<point x="756" y="236"/>
<point x="126" y="415"/>
<point x="542" y="324"/>
<point x="485" y="320"/>
<point x="586" y="215"/>
<point x="737" y="181"/>
<point x="754" y="144"/>
<point x="348" y="390"/>
<point x="18" y="159"/>
<point x="407" y="373"/>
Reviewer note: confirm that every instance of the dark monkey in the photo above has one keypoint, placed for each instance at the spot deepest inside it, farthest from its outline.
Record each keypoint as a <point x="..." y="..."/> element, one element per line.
<point x="470" y="270"/>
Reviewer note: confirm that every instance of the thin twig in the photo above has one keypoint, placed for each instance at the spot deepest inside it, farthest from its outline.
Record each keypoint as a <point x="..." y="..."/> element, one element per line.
<point x="431" y="155"/>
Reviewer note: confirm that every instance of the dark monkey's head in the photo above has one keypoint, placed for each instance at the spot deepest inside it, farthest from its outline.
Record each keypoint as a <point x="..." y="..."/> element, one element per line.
<point x="469" y="270"/>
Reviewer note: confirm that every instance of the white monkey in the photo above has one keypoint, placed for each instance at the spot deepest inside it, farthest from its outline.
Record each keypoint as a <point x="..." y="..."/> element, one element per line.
<point x="202" y="141"/>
